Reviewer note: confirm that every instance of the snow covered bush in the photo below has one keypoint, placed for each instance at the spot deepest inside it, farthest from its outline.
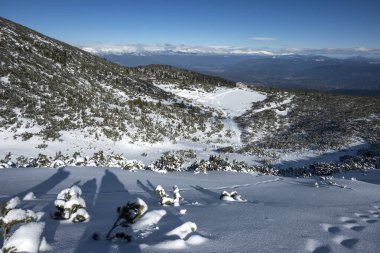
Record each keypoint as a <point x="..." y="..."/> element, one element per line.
<point x="118" y="160"/>
<point x="6" y="162"/>
<point x="11" y="216"/>
<point x="71" y="206"/>
<point x="132" y="165"/>
<point x="231" y="196"/>
<point x="217" y="163"/>
<point x="127" y="215"/>
<point x="27" y="238"/>
<point x="43" y="160"/>
<point x="167" y="162"/>
<point x="164" y="199"/>
<point x="99" y="158"/>
<point x="75" y="160"/>
<point x="57" y="164"/>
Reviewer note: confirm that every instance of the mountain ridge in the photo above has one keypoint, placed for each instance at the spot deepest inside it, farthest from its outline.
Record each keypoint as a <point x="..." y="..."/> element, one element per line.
<point x="286" y="71"/>
<point x="49" y="87"/>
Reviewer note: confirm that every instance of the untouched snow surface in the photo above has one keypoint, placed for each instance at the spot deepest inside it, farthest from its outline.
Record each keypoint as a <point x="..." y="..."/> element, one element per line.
<point x="280" y="214"/>
<point x="231" y="101"/>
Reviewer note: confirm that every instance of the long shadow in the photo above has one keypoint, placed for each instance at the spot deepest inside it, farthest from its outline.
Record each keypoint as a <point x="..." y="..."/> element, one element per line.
<point x="89" y="191"/>
<point x="147" y="189"/>
<point x="373" y="175"/>
<point x="50" y="231"/>
<point x="327" y="157"/>
<point x="213" y="195"/>
<point x="39" y="190"/>
<point x="150" y="185"/>
<point x="97" y="202"/>
<point x="46" y="185"/>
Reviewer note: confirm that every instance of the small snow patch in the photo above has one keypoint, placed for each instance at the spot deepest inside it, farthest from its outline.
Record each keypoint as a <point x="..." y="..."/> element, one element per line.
<point x="196" y="240"/>
<point x="29" y="196"/>
<point x="5" y="79"/>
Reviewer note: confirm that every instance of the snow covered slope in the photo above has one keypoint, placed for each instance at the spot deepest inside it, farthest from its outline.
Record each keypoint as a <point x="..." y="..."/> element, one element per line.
<point x="280" y="214"/>
<point x="55" y="97"/>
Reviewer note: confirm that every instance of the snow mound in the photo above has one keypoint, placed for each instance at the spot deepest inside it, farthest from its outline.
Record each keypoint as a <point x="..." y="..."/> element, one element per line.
<point x="44" y="246"/>
<point x="149" y="219"/>
<point x="27" y="238"/>
<point x="184" y="230"/>
<point x="18" y="215"/>
<point x="29" y="196"/>
<point x="178" y="244"/>
<point x="196" y="240"/>
<point x="13" y="203"/>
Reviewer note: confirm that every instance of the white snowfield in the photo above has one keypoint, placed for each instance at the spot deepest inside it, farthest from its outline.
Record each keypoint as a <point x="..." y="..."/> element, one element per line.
<point x="279" y="214"/>
<point x="231" y="102"/>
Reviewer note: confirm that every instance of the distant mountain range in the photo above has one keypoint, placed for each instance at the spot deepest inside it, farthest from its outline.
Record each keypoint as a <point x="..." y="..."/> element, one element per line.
<point x="354" y="75"/>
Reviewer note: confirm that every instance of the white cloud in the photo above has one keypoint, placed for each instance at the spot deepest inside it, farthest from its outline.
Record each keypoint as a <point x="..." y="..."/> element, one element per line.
<point x="167" y="49"/>
<point x="173" y="49"/>
<point x="264" y="38"/>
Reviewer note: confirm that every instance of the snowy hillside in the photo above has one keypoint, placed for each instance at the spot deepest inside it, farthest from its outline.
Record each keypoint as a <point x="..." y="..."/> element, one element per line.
<point x="275" y="214"/>
<point x="58" y="98"/>
<point x="96" y="157"/>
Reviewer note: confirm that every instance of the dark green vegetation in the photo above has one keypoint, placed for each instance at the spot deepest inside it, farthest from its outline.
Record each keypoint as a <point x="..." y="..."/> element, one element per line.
<point x="298" y="120"/>
<point x="58" y="87"/>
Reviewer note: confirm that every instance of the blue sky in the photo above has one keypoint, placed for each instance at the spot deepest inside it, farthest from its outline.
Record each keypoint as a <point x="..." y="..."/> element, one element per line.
<point x="257" y="24"/>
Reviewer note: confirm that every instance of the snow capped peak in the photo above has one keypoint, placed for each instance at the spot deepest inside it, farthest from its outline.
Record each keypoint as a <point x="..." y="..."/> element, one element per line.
<point x="143" y="49"/>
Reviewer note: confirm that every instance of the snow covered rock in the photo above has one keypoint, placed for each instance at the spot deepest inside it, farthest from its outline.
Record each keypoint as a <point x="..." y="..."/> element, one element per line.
<point x="184" y="230"/>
